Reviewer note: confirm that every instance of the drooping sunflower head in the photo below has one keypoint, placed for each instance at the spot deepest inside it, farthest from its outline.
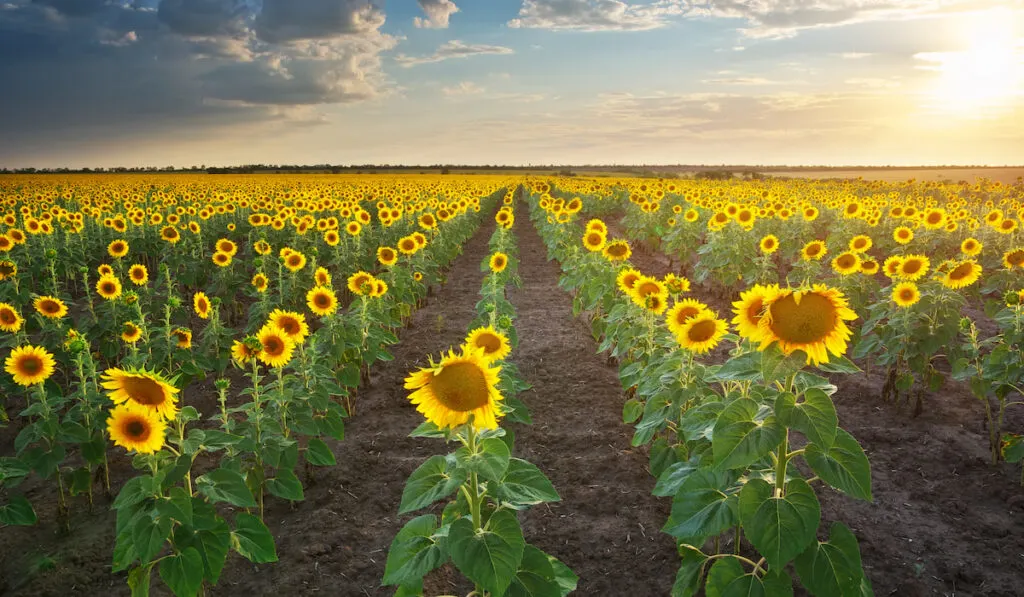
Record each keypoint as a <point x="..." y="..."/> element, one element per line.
<point x="387" y="256"/>
<point x="291" y="323"/>
<point x="846" y="263"/>
<point x="262" y="247"/>
<point x="750" y="308"/>
<point x="813" y="251"/>
<point x="913" y="267"/>
<point x="108" y="287"/>
<point x="322" y="277"/>
<point x="681" y="312"/>
<point x="860" y="243"/>
<point x="183" y="336"/>
<point x="812" y="320"/>
<point x="201" y="303"/>
<point x="1014" y="258"/>
<point x="358" y="283"/>
<point x="50" y="307"/>
<point x="118" y="248"/>
<point x="962" y="275"/>
<point x="277" y="346"/>
<point x="594" y="240"/>
<point x="130" y="332"/>
<point x="702" y="332"/>
<point x="617" y="250"/>
<point x="769" y="244"/>
<point x="321" y="300"/>
<point x="29" y="365"/>
<point x="138" y="274"/>
<point x="143" y="388"/>
<point x="243" y="351"/>
<point x="10" y="319"/>
<point x="136" y="429"/>
<point x="494" y="344"/>
<point x="905" y="294"/>
<point x="459" y="388"/>
<point x="498" y="262"/>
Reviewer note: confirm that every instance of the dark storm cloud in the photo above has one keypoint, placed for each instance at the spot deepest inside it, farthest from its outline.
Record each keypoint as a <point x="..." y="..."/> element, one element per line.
<point x="116" y="70"/>
<point x="75" y="8"/>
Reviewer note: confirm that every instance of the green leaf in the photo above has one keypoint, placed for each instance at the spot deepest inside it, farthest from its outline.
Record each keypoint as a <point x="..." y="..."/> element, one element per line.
<point x="490" y="460"/>
<point x="673" y="477"/>
<point x="843" y="466"/>
<point x="433" y="480"/>
<point x="832" y="568"/>
<point x="430" y="430"/>
<point x="318" y="453"/>
<point x="815" y="416"/>
<point x="536" y="576"/>
<point x="779" y="527"/>
<point x="225" y="485"/>
<point x="18" y="512"/>
<point x="253" y="540"/>
<point x="524" y="484"/>
<point x="727" y="579"/>
<point x="777" y="366"/>
<point x="149" y="535"/>
<point x="701" y="508"/>
<point x="138" y="580"/>
<point x="183" y="572"/>
<point x="489" y="558"/>
<point x="739" y="440"/>
<point x="839" y="365"/>
<point x="286" y="486"/>
<point x="632" y="410"/>
<point x="177" y="506"/>
<point x="745" y="367"/>
<point x="134" y="491"/>
<point x="414" y="552"/>
<point x="213" y="545"/>
<point x="1012" y="447"/>
<point x="688" y="577"/>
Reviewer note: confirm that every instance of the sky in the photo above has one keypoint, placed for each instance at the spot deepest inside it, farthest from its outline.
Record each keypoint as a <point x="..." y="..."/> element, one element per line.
<point x="797" y="82"/>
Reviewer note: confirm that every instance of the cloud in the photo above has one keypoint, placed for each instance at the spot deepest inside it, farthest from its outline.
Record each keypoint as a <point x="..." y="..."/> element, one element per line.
<point x="741" y="81"/>
<point x="293" y="20"/>
<point x="204" y="18"/>
<point x="594" y="15"/>
<point x="452" y="49"/>
<point x="74" y="8"/>
<point x="463" y="88"/>
<point x="438" y="12"/>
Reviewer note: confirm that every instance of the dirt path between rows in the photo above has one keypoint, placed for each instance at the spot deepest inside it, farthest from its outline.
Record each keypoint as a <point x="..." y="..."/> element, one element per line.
<point x="607" y="526"/>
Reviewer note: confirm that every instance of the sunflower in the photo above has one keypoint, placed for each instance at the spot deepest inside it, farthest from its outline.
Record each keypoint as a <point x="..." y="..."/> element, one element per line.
<point x="262" y="247"/>
<point x="387" y="256"/>
<point x="750" y="308"/>
<point x="913" y="267"/>
<point x="201" y="303"/>
<point x="259" y="282"/>
<point x="322" y="277"/>
<point x="846" y="263"/>
<point x="108" y="287"/>
<point x="903" y="235"/>
<point x="594" y="240"/>
<point x="494" y="344"/>
<point x="50" y="307"/>
<point x="130" y="332"/>
<point x="29" y="365"/>
<point x="647" y="286"/>
<point x="407" y="245"/>
<point x="226" y="246"/>
<point x="681" y="312"/>
<point x="321" y="300"/>
<point x="869" y="266"/>
<point x="617" y="250"/>
<point x="458" y="388"/>
<point x="1014" y="258"/>
<point x="596" y="225"/>
<point x="105" y="270"/>
<point x="860" y="243"/>
<point x="421" y="240"/>
<point x="378" y="288"/>
<point x="811" y="320"/>
<point x="769" y="244"/>
<point x="222" y="259"/>
<point x="1007" y="226"/>
<point x="357" y="280"/>
<point x="971" y="246"/>
<point x="676" y="284"/>
<point x="10" y="320"/>
<point x="118" y="248"/>
<point x="291" y="323"/>
<point x="418" y="276"/>
<point x="892" y="265"/>
<point x="702" y="332"/>
<point x="138" y="274"/>
<point x="294" y="261"/>
<point x="498" y="262"/>
<point x="905" y="294"/>
<point x="183" y="336"/>
<point x="277" y="346"/>
<point x="427" y="221"/>
<point x="244" y="351"/>
<point x="135" y="428"/>
<point x="8" y="269"/>
<point x="170" y="234"/>
<point x="332" y="238"/>
<point x="962" y="275"/>
<point x="627" y="279"/>
<point x="813" y="251"/>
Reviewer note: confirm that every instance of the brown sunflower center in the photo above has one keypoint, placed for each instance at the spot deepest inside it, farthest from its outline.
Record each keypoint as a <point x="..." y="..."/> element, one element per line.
<point x="322" y="300"/>
<point x="859" y="243"/>
<point x="273" y="346"/>
<point x="702" y="331"/>
<point x="810" y="321"/>
<point x="30" y="365"/>
<point x="961" y="271"/>
<point x="49" y="307"/>
<point x="907" y="294"/>
<point x="8" y="317"/>
<point x="911" y="266"/>
<point x="1016" y="257"/>
<point x="109" y="288"/>
<point x="460" y="387"/>
<point x="686" y="313"/>
<point x="489" y="342"/>
<point x="814" y="249"/>
<point x="143" y="390"/>
<point x="846" y="261"/>
<point x="647" y="288"/>
<point x="137" y="429"/>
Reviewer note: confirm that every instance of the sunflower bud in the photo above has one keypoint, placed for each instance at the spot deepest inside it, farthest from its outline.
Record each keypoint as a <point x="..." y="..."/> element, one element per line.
<point x="162" y="268"/>
<point x="174" y="302"/>
<point x="505" y="322"/>
<point x="215" y="301"/>
<point x="222" y="384"/>
<point x="258" y="262"/>
<point x="1013" y="298"/>
<point x="83" y="270"/>
<point x="51" y="254"/>
<point x="966" y="323"/>
<point x="130" y="298"/>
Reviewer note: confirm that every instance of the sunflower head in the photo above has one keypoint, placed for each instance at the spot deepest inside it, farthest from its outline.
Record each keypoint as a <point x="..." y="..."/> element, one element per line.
<point x="903" y="235"/>
<point x="291" y="323"/>
<point x="498" y="262"/>
<point x="1014" y="258"/>
<point x="387" y="256"/>
<point x="108" y="287"/>
<point x="276" y="346"/>
<point x="846" y="263"/>
<point x="627" y="279"/>
<point x="10" y="319"/>
<point x="812" y="320"/>
<point x="245" y="350"/>
<point x="183" y="336"/>
<point x="961" y="275"/>
<point x="118" y="248"/>
<point x="750" y="308"/>
<point x="321" y="300"/>
<point x="617" y="250"/>
<point x="201" y="303"/>
<point x="913" y="267"/>
<point x="681" y="312"/>
<point x="136" y="429"/>
<point x="359" y="283"/>
<point x="8" y="269"/>
<point x="494" y="344"/>
<point x="676" y="284"/>
<point x="702" y="332"/>
<point x="594" y="240"/>
<point x="29" y="365"/>
<point x="222" y="259"/>
<point x="50" y="307"/>
<point x="138" y="274"/>
<point x="322" y="277"/>
<point x="459" y="389"/>
<point x="130" y="332"/>
<point x="408" y="245"/>
<point x="905" y="294"/>
<point x="813" y="251"/>
<point x="769" y="244"/>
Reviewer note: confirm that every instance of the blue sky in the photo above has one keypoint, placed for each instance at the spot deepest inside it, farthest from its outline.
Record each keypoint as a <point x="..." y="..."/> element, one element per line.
<point x="183" y="82"/>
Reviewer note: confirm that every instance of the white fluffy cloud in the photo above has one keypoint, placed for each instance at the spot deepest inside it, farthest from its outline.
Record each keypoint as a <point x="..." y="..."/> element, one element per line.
<point x="594" y="15"/>
<point x="438" y="12"/>
<point x="452" y="49"/>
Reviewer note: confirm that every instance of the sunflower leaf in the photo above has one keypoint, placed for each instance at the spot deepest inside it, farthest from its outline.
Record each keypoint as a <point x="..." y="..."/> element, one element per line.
<point x="489" y="461"/>
<point x="433" y="480"/>
<point x="842" y="465"/>
<point x="779" y="527"/>
<point x="183" y="572"/>
<point x="524" y="484"/>
<point x="225" y="485"/>
<point x="491" y="557"/>
<point x="253" y="540"/>
<point x="740" y="440"/>
<point x="414" y="552"/>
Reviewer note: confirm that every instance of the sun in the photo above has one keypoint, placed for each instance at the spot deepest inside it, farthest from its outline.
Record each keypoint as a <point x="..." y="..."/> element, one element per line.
<point x="985" y="78"/>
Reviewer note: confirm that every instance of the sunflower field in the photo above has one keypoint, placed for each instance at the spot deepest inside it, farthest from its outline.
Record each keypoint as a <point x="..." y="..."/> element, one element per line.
<point x="185" y="355"/>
